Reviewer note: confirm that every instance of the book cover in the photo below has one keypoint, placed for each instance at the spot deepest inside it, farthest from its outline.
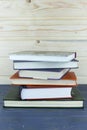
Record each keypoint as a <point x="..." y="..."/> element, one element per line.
<point x="12" y="99"/>
<point x="69" y="79"/>
<point x="43" y="56"/>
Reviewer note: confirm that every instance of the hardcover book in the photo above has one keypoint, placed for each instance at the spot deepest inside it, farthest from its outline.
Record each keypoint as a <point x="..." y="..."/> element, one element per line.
<point x="45" y="93"/>
<point x="43" y="65"/>
<point x="43" y="56"/>
<point x="69" y="79"/>
<point x="12" y="99"/>
<point x="43" y="74"/>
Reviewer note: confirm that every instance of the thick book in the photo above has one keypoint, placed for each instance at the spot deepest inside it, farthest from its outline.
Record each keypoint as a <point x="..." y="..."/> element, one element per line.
<point x="53" y="56"/>
<point x="12" y="99"/>
<point x="43" y="65"/>
<point x="45" y="93"/>
<point x="43" y="74"/>
<point x="69" y="79"/>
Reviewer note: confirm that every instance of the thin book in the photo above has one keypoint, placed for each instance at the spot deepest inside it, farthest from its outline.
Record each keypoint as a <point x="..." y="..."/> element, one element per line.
<point x="43" y="65"/>
<point x="69" y="79"/>
<point x="43" y="73"/>
<point x="53" y="56"/>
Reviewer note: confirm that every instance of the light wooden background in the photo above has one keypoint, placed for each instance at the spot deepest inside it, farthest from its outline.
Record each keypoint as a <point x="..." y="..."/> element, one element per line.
<point x="43" y="25"/>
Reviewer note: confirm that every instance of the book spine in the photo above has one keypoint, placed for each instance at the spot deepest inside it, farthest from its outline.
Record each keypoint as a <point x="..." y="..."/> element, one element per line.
<point x="47" y="86"/>
<point x="75" y="55"/>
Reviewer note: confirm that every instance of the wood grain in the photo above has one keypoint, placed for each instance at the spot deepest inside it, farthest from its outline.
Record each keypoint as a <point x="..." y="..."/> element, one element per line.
<point x="43" y="8"/>
<point x="34" y="30"/>
<point x="49" y="25"/>
<point x="7" y="47"/>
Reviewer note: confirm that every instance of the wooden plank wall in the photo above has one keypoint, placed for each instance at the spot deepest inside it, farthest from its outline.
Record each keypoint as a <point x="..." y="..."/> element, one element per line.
<point x="43" y="25"/>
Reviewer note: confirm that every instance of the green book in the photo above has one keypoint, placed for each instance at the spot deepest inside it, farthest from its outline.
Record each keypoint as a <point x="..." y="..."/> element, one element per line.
<point x="12" y="99"/>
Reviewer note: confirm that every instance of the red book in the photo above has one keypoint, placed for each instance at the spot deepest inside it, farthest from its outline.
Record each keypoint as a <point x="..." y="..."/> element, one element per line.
<point x="68" y="79"/>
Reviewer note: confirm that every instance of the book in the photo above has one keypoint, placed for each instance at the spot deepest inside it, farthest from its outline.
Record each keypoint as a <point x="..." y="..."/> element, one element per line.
<point x="67" y="80"/>
<point x="45" y="93"/>
<point x="43" y="65"/>
<point x="12" y="99"/>
<point x="43" y="74"/>
<point x="53" y="56"/>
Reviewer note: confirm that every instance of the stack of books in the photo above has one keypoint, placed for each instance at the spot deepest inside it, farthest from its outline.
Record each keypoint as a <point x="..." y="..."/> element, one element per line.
<point x="45" y="80"/>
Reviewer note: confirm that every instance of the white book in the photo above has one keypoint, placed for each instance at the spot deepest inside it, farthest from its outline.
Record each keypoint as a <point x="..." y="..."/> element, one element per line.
<point x="42" y="65"/>
<point x="45" y="93"/>
<point x="43" y="56"/>
<point x="43" y="74"/>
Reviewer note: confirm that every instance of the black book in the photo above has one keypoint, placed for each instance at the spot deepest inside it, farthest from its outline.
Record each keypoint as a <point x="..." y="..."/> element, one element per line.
<point x="12" y="99"/>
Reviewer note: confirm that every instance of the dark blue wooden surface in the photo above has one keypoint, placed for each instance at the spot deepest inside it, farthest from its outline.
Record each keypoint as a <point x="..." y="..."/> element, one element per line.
<point x="42" y="119"/>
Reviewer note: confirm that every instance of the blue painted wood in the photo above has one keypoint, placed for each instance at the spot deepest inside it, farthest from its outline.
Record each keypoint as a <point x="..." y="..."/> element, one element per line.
<point x="42" y="118"/>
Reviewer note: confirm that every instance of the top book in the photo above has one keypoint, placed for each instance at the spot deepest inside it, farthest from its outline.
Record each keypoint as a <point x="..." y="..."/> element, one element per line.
<point x="43" y="56"/>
